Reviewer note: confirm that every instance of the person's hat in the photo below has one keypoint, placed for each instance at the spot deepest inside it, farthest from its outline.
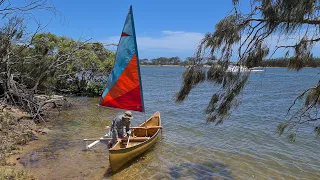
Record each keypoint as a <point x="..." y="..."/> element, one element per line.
<point x="128" y="115"/>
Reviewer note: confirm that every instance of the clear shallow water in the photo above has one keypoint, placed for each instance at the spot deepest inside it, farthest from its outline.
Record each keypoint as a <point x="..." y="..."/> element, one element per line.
<point x="245" y="146"/>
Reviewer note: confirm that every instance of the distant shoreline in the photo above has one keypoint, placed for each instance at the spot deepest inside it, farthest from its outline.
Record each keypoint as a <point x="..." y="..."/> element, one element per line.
<point x="165" y="65"/>
<point x="210" y="66"/>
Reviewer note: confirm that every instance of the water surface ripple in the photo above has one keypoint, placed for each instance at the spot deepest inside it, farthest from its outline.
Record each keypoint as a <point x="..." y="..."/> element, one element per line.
<point x="245" y="146"/>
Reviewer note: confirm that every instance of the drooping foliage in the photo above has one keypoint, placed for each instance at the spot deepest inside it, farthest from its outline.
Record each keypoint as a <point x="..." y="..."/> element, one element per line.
<point x="248" y="37"/>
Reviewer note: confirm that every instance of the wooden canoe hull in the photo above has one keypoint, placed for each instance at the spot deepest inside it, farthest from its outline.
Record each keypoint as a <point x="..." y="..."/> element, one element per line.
<point x="120" y="154"/>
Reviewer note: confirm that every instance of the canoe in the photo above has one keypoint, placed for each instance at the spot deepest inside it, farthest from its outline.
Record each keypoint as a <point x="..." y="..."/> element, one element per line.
<point x="142" y="138"/>
<point x="124" y="91"/>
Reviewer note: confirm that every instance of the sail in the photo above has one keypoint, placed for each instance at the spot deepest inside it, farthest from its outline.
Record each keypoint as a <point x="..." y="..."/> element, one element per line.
<point x="124" y="88"/>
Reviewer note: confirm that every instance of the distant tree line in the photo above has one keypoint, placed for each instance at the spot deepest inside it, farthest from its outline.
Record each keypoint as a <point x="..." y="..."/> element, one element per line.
<point x="173" y="61"/>
<point x="276" y="62"/>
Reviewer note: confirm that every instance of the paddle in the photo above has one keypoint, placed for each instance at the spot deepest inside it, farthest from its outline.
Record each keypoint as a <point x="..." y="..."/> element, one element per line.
<point x="97" y="141"/>
<point x="128" y="141"/>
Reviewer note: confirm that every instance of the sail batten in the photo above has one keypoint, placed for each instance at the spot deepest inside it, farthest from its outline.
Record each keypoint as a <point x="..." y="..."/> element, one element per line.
<point x="124" y="88"/>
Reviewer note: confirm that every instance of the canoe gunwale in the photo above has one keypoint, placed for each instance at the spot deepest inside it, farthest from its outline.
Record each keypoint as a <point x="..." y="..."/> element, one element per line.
<point x="142" y="143"/>
<point x="138" y="145"/>
<point x="120" y="156"/>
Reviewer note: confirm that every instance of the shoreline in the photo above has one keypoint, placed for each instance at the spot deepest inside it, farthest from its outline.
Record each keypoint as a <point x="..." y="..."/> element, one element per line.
<point x="210" y="66"/>
<point x="19" y="133"/>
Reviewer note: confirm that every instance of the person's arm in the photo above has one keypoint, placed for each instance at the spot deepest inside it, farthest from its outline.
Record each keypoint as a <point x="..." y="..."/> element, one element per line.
<point x="128" y="131"/>
<point x="114" y="129"/>
<point x="115" y="135"/>
<point x="113" y="122"/>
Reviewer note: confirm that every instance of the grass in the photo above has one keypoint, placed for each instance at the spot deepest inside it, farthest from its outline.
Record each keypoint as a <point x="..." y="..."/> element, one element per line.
<point x="12" y="174"/>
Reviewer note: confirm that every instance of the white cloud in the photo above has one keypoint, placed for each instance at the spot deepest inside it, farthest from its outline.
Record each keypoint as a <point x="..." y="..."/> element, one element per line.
<point x="183" y="44"/>
<point x="172" y="40"/>
<point x="180" y="42"/>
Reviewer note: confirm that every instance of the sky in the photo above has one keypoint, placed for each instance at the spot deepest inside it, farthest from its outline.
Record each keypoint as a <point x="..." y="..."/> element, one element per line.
<point x="164" y="28"/>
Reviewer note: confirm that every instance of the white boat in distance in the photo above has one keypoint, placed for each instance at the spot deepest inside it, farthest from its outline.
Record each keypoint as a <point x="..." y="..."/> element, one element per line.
<point x="233" y="68"/>
<point x="257" y="69"/>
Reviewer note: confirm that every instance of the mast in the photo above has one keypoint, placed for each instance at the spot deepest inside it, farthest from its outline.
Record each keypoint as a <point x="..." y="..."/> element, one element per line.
<point x="138" y="60"/>
<point x="124" y="86"/>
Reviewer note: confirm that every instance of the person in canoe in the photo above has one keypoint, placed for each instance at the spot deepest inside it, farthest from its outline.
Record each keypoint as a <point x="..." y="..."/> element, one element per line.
<point x="117" y="126"/>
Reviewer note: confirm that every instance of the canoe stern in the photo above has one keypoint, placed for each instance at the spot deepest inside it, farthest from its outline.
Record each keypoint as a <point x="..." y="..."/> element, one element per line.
<point x="120" y="155"/>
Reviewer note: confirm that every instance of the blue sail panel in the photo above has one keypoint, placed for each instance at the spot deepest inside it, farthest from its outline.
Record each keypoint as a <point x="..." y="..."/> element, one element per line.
<point x="124" y="88"/>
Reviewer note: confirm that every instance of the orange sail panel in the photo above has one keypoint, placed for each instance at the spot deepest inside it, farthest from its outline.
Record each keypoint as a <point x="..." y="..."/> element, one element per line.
<point x="124" y="88"/>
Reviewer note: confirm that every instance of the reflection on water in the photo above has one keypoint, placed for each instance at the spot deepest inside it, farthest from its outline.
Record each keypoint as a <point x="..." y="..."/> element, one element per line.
<point x="243" y="147"/>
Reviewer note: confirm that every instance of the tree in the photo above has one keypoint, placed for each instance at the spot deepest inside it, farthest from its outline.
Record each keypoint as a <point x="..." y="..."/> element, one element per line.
<point x="14" y="40"/>
<point x="7" y="9"/>
<point x="245" y="36"/>
<point x="144" y="61"/>
<point x="174" y="60"/>
<point x="85" y="65"/>
<point x="160" y="60"/>
<point x="190" y="60"/>
<point x="42" y="62"/>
